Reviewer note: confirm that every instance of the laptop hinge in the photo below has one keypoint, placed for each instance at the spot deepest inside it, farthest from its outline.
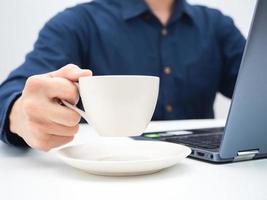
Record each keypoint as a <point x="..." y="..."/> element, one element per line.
<point x="246" y="155"/>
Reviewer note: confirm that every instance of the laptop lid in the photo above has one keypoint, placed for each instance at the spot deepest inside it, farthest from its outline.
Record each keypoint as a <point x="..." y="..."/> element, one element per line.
<point x="246" y="127"/>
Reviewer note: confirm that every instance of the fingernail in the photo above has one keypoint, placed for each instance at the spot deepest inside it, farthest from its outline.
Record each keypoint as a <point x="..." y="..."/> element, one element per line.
<point x="83" y="73"/>
<point x="86" y="72"/>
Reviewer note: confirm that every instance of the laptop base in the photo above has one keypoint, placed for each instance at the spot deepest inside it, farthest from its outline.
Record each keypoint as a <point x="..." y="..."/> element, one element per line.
<point x="204" y="143"/>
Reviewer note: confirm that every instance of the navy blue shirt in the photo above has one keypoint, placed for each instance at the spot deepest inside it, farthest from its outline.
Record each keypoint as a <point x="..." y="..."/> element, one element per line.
<point x="196" y="55"/>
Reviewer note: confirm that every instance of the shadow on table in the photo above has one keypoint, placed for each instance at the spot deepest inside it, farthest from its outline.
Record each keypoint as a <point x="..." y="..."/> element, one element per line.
<point x="11" y="151"/>
<point x="172" y="172"/>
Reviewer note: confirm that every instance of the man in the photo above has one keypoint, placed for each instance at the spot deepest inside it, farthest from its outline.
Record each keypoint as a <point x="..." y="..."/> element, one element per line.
<point x="196" y="51"/>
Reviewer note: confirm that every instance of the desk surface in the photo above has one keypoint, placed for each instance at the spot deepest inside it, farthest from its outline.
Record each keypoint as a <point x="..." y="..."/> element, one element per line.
<point x="35" y="175"/>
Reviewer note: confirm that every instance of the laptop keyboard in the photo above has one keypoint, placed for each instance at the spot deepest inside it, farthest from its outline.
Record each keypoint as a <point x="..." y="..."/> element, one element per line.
<point x="206" y="141"/>
<point x="209" y="141"/>
<point x="209" y="138"/>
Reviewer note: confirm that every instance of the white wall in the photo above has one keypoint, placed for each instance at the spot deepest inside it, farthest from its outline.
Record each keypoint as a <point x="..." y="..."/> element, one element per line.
<point x="20" y="21"/>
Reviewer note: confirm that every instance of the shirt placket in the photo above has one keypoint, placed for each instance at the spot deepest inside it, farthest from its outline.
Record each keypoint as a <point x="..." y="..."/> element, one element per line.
<point x="167" y="72"/>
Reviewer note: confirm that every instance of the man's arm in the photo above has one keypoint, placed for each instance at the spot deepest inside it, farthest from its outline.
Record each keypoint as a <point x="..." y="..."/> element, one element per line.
<point x="58" y="44"/>
<point x="232" y="44"/>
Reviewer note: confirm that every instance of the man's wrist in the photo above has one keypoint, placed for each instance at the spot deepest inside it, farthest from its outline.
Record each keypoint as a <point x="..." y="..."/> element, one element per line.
<point x="8" y="136"/>
<point x="13" y="115"/>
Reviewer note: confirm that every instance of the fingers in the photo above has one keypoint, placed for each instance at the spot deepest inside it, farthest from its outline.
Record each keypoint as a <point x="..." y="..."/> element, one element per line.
<point x="58" y="84"/>
<point x="52" y="88"/>
<point x="63" y="115"/>
<point x="56" y="141"/>
<point x="53" y="142"/>
<point x="71" y="72"/>
<point x="47" y="136"/>
<point x="50" y="112"/>
<point x="62" y="89"/>
<point x="55" y="129"/>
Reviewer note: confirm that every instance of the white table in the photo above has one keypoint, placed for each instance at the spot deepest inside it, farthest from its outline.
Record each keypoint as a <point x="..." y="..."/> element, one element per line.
<point x="36" y="175"/>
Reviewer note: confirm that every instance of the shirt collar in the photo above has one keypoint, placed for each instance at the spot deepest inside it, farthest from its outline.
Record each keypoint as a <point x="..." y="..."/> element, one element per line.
<point x="134" y="8"/>
<point x="182" y="8"/>
<point x="189" y="10"/>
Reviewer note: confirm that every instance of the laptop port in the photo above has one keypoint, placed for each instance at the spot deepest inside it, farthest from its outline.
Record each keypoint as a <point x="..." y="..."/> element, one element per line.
<point x="200" y="154"/>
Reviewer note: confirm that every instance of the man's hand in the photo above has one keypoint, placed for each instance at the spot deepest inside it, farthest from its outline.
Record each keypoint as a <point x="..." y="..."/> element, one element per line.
<point x="38" y="117"/>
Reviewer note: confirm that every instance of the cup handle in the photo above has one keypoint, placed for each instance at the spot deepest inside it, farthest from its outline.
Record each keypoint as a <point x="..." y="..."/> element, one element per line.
<point x="81" y="112"/>
<point x="73" y="107"/>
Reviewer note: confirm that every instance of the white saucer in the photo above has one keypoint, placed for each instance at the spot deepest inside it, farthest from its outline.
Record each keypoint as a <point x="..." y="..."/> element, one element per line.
<point x="118" y="157"/>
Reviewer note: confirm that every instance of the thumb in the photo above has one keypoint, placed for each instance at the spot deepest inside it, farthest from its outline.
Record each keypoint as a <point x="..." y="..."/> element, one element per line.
<point x="71" y="72"/>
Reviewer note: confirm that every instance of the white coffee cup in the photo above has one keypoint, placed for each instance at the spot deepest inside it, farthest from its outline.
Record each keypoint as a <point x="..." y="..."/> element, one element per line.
<point x="118" y="106"/>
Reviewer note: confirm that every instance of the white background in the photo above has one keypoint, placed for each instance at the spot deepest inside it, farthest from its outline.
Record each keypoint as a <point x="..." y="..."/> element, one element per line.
<point x="20" y="21"/>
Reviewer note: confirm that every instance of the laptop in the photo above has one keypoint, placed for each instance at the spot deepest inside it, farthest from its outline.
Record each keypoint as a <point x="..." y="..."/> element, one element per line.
<point x="244" y="136"/>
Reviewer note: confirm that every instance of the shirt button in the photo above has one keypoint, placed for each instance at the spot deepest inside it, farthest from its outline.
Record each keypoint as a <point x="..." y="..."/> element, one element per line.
<point x="169" y="108"/>
<point x="164" y="32"/>
<point x="167" y="70"/>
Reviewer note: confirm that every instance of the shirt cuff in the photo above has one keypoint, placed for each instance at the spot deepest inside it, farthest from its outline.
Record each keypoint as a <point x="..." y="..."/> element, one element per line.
<point x="6" y="135"/>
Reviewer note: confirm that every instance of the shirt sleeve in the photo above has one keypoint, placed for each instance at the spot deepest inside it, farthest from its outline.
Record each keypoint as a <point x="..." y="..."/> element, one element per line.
<point x="232" y="44"/>
<point x="58" y="44"/>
